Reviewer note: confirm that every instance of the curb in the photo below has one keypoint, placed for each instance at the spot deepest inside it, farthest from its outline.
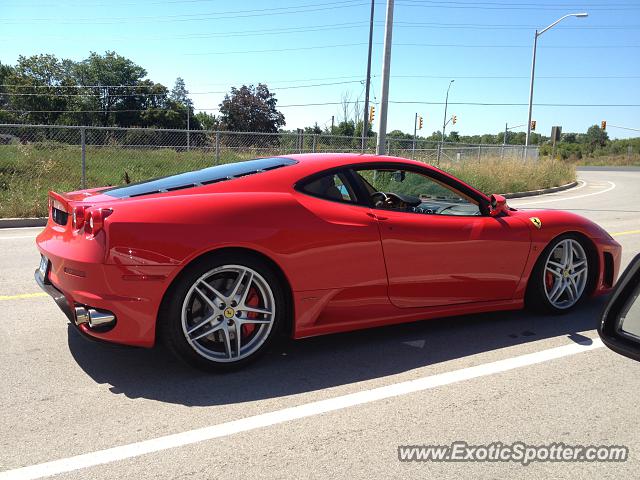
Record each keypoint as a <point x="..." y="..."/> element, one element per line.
<point x="41" y="222"/>
<point x="22" y="222"/>
<point x="544" y="191"/>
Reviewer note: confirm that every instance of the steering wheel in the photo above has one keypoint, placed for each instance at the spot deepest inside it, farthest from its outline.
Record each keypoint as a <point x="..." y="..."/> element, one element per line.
<point x="379" y="199"/>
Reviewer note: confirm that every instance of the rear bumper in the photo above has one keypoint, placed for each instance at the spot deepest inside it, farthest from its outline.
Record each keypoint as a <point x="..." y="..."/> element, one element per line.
<point x="62" y="302"/>
<point x="132" y="293"/>
<point x="57" y="296"/>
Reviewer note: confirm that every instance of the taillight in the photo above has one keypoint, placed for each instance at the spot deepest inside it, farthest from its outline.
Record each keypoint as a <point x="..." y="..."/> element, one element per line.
<point x="77" y="217"/>
<point x="94" y="219"/>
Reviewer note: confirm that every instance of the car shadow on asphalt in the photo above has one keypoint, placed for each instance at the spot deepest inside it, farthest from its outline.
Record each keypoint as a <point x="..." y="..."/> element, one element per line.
<point x="312" y="364"/>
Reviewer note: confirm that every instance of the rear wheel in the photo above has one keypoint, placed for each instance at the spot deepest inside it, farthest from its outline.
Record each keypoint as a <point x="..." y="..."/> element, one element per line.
<point x="561" y="278"/>
<point x="223" y="312"/>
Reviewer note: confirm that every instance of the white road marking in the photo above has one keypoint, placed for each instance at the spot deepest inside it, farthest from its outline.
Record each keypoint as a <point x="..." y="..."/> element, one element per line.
<point x="21" y="236"/>
<point x="137" y="449"/>
<point x="416" y="343"/>
<point x="8" y="229"/>
<point x="611" y="187"/>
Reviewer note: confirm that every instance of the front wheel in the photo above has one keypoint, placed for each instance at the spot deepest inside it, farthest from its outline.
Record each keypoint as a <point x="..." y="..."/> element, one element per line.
<point x="223" y="312"/>
<point x="561" y="278"/>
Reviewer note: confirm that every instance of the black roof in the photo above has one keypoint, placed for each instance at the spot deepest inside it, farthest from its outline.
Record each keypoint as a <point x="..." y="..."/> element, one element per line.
<point x="197" y="178"/>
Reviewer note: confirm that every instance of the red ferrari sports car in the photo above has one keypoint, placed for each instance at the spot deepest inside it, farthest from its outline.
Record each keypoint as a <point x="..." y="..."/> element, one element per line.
<point x="219" y="261"/>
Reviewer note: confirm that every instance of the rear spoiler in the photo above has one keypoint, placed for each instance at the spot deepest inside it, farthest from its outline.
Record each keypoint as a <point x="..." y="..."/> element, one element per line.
<point x="59" y="201"/>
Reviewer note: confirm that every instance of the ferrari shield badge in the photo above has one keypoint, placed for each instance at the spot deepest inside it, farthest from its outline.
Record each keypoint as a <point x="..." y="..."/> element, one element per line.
<point x="536" y="221"/>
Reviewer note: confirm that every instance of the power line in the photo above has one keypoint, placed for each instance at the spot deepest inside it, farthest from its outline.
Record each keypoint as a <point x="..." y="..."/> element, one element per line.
<point x="475" y="45"/>
<point x="506" y="6"/>
<point x="209" y="84"/>
<point x="344" y="26"/>
<point x="237" y="33"/>
<point x="196" y="16"/>
<point x="509" y="26"/>
<point x="279" y="50"/>
<point x="510" y="77"/>
<point x="144" y="94"/>
<point x="413" y="102"/>
<point x="430" y="45"/>
<point x="467" y="77"/>
<point x="320" y="104"/>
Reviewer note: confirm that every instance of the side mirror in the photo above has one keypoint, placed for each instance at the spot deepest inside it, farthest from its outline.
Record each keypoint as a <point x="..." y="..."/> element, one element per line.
<point x="398" y="176"/>
<point x="620" y="324"/>
<point x="497" y="205"/>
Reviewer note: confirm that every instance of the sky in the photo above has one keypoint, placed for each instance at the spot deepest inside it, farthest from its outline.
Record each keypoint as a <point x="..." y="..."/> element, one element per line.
<point x="315" y="52"/>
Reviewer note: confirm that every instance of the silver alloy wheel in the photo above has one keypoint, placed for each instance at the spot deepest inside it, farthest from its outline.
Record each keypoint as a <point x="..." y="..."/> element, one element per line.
<point x="565" y="274"/>
<point x="228" y="313"/>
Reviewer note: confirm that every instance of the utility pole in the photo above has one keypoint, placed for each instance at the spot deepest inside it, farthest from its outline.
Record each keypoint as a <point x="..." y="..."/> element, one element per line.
<point x="415" y="132"/>
<point x="332" y="122"/>
<point x="365" y="120"/>
<point x="386" y="67"/>
<point x="444" y="121"/>
<point x="188" y="122"/>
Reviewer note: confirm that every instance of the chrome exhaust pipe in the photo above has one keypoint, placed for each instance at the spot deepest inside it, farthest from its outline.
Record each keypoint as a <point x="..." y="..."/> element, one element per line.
<point x="93" y="317"/>
<point x="82" y="315"/>
<point x="100" y="318"/>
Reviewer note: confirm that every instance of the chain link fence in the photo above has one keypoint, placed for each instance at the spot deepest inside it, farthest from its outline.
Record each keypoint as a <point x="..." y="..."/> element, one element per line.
<point x="37" y="158"/>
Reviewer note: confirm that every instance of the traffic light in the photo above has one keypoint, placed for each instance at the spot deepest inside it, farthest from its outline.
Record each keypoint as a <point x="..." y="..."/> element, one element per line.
<point x="454" y="119"/>
<point x="419" y="123"/>
<point x="372" y="113"/>
<point x="603" y="125"/>
<point x="533" y="125"/>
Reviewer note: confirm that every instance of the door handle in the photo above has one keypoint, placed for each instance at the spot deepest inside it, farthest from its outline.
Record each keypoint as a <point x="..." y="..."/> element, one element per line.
<point x="377" y="217"/>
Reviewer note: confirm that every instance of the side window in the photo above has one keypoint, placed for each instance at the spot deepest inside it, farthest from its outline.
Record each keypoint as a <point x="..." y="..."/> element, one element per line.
<point x="333" y="186"/>
<point x="405" y="190"/>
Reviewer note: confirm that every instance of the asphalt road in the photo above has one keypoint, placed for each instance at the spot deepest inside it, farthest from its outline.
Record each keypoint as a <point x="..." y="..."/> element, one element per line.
<point x="63" y="396"/>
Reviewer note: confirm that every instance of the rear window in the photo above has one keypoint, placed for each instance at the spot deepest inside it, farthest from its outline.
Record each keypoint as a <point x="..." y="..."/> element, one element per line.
<point x="197" y="178"/>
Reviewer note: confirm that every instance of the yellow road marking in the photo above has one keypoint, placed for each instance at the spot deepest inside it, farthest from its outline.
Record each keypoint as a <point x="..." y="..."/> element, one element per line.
<point x="628" y="232"/>
<point x="23" y="295"/>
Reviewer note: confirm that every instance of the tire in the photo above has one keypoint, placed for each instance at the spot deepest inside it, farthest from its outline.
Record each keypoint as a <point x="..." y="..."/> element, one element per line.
<point x="213" y="300"/>
<point x="558" y="283"/>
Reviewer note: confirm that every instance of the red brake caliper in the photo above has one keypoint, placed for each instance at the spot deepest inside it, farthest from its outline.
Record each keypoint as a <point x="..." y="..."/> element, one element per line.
<point x="549" y="280"/>
<point x="253" y="300"/>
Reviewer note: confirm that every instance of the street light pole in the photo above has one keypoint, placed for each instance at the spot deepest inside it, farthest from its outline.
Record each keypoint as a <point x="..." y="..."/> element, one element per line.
<point x="444" y="121"/>
<point x="533" y="66"/>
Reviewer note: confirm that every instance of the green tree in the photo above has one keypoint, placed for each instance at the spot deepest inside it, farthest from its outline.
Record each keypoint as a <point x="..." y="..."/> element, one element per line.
<point x="5" y="115"/>
<point x="360" y="126"/>
<point x="179" y="93"/>
<point x="596" y="137"/>
<point x="345" y="129"/>
<point x="113" y="80"/>
<point x="39" y="88"/>
<point x="208" y="121"/>
<point x="315" y="130"/>
<point x="251" y="109"/>
<point x="453" y="137"/>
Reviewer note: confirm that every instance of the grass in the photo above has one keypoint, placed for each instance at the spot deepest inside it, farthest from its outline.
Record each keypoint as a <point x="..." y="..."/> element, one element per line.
<point x="28" y="172"/>
<point x="508" y="176"/>
<point x="611" y="160"/>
